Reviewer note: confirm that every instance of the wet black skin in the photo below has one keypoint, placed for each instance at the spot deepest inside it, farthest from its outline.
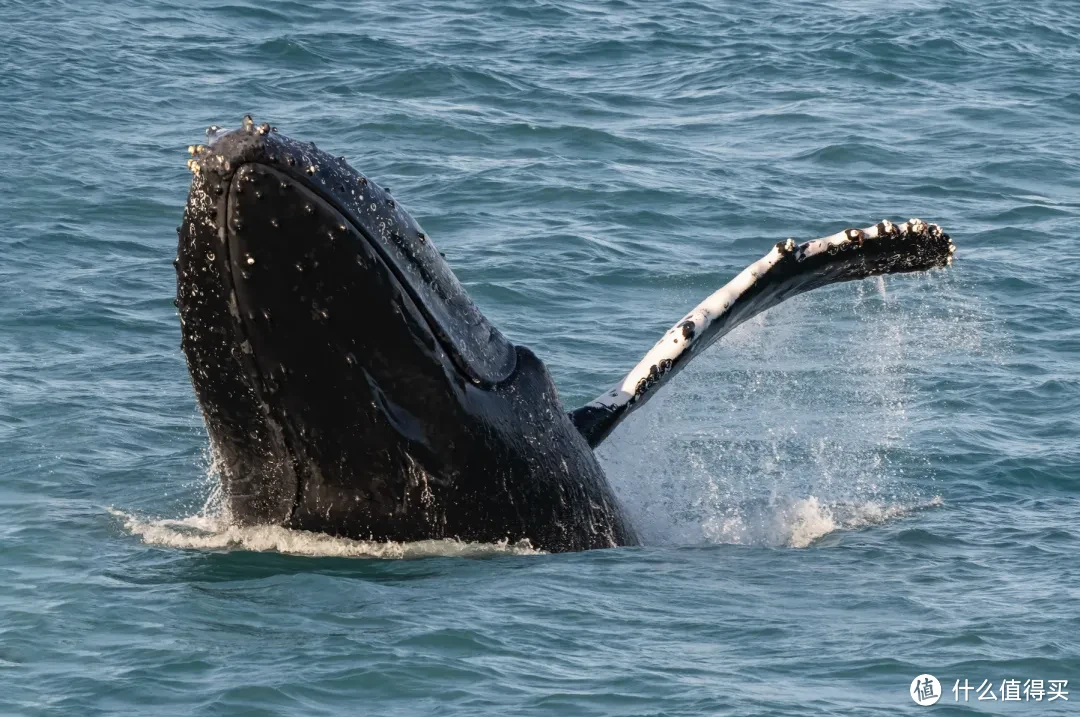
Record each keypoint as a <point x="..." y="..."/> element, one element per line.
<point x="348" y="383"/>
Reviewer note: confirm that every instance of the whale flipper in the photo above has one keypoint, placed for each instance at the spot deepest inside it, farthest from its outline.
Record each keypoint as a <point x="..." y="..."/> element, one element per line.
<point x="786" y="271"/>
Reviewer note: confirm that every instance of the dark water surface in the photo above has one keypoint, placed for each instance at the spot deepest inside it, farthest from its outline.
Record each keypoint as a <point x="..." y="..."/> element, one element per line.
<point x="868" y="483"/>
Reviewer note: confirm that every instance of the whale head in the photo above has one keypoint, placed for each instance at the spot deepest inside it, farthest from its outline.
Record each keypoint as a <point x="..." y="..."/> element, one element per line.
<point x="337" y="360"/>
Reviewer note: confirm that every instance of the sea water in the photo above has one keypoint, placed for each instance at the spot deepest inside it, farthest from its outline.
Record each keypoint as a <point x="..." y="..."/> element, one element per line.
<point x="868" y="483"/>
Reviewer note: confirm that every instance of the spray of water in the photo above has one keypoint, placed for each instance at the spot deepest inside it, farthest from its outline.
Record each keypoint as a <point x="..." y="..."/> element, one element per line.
<point x="800" y="423"/>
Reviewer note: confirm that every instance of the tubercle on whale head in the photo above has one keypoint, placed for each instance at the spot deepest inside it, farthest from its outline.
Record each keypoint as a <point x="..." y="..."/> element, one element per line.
<point x="479" y="348"/>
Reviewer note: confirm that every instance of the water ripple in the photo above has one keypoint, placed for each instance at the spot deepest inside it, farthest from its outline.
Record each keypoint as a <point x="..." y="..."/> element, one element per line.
<point x="870" y="482"/>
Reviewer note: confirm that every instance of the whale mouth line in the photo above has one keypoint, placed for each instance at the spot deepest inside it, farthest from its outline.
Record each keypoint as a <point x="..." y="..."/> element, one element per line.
<point x="459" y="361"/>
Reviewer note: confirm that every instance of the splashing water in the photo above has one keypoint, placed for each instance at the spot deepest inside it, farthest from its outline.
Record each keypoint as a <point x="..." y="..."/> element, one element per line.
<point x="799" y="423"/>
<point x="800" y="523"/>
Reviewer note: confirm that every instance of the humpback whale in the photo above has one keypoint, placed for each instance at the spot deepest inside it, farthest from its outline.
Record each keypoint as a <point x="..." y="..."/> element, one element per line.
<point x="349" y="385"/>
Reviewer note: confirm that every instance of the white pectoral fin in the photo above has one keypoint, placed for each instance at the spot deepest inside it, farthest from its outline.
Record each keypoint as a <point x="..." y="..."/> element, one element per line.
<point x="787" y="270"/>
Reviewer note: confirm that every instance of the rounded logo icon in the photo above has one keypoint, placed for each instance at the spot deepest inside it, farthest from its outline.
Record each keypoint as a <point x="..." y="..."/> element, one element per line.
<point x="925" y="690"/>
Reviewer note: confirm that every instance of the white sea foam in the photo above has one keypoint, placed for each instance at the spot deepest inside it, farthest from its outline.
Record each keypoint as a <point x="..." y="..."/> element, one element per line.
<point x="208" y="532"/>
<point x="801" y="522"/>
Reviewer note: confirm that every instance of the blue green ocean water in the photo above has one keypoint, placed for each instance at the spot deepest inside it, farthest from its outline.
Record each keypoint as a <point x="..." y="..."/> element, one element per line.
<point x="867" y="483"/>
